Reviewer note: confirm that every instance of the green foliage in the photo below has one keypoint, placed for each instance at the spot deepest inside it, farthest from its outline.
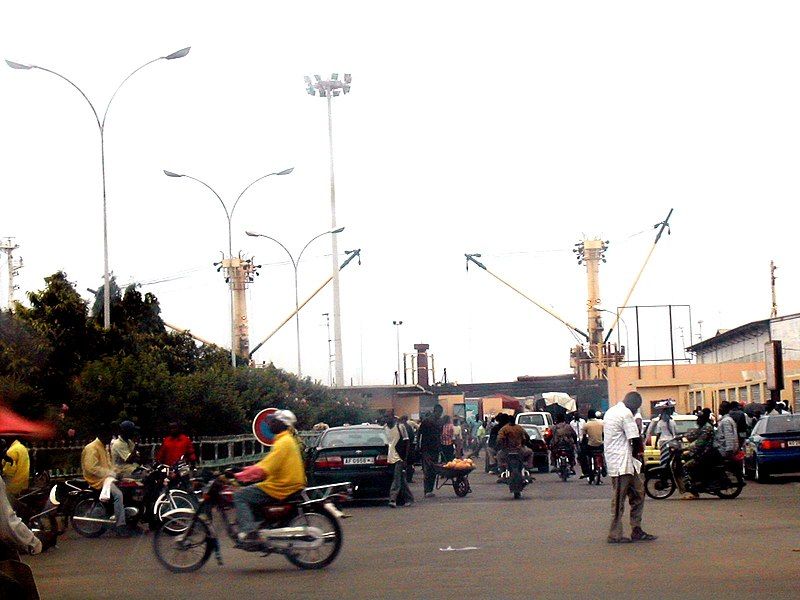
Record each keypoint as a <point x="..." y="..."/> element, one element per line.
<point x="55" y="352"/>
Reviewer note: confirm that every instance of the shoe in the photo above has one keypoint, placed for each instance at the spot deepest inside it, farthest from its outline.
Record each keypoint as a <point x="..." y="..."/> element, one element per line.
<point x="622" y="540"/>
<point x="638" y="535"/>
<point x="572" y="472"/>
<point x="409" y="503"/>
<point x="430" y="495"/>
<point x="689" y="496"/>
<point x="583" y="477"/>
<point x="392" y="504"/>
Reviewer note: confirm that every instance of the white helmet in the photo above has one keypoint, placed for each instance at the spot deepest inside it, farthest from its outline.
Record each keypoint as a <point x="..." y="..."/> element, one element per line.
<point x="285" y="416"/>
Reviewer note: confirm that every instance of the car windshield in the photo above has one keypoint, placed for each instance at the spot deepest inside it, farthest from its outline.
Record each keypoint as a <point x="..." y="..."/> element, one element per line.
<point x="532" y="431"/>
<point x="531" y="420"/>
<point x="686" y="426"/>
<point x="338" y="438"/>
<point x="783" y="424"/>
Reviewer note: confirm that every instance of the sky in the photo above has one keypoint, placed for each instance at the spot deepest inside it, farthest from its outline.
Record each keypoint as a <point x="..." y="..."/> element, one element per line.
<point x="512" y="129"/>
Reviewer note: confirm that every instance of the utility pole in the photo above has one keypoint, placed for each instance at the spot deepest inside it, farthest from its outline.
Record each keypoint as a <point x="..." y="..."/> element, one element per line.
<point x="239" y="273"/>
<point x="397" y="328"/>
<point x="772" y="268"/>
<point x="8" y="246"/>
<point x="591" y="252"/>
<point x="328" y="326"/>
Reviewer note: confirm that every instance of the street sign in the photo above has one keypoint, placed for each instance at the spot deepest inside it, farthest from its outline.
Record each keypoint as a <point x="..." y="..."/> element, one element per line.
<point x="260" y="430"/>
<point x="773" y="365"/>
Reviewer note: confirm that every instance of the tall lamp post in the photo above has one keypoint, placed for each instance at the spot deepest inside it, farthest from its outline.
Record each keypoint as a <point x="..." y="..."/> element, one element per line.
<point x="397" y="328"/>
<point x="295" y="264"/>
<point x="229" y="263"/>
<point x="101" y="124"/>
<point x="329" y="88"/>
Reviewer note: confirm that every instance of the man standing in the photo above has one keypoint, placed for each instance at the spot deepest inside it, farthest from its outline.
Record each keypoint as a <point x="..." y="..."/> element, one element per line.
<point x="623" y="450"/>
<point x="96" y="467"/>
<point x="397" y="435"/>
<point x="412" y="438"/>
<point x="430" y="434"/>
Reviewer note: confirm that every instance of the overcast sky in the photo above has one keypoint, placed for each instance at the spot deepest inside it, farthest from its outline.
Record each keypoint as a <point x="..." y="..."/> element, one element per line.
<point x="510" y="129"/>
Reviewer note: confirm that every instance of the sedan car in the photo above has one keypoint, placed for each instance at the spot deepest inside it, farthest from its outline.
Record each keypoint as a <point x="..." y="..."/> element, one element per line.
<point x="773" y="447"/>
<point x="355" y="453"/>
<point x="541" y="456"/>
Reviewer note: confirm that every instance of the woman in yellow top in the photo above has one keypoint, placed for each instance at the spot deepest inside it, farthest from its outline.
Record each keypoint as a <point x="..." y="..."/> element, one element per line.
<point x="281" y="473"/>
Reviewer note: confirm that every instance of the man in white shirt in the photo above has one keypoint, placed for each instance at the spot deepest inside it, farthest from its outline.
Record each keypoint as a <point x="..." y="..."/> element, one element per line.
<point x="623" y="450"/>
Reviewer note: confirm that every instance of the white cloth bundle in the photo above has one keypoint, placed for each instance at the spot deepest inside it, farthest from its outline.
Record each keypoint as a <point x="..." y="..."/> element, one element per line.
<point x="105" y="493"/>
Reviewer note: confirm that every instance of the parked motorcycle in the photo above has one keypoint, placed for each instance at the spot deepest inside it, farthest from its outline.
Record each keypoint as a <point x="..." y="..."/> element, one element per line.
<point x="723" y="480"/>
<point x="516" y="475"/>
<point x="147" y="500"/>
<point x="305" y="528"/>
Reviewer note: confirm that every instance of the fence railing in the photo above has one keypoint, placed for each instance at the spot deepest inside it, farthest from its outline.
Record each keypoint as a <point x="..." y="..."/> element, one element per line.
<point x="63" y="459"/>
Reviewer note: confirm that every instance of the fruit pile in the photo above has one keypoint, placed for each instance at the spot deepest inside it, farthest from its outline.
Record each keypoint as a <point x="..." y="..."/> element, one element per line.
<point x="459" y="463"/>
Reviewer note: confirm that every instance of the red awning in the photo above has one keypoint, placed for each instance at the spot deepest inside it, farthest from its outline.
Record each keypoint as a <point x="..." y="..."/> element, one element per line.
<point x="13" y="425"/>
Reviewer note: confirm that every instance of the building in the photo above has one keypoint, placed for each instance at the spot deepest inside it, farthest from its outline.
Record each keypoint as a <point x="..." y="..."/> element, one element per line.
<point x="746" y="342"/>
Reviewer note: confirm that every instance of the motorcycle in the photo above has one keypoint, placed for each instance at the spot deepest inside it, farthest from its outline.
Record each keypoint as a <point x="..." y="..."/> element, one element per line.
<point x="723" y="480"/>
<point x="516" y="475"/>
<point x="40" y="517"/>
<point x="304" y="528"/>
<point x="147" y="500"/>
<point x="563" y="466"/>
<point x="597" y="468"/>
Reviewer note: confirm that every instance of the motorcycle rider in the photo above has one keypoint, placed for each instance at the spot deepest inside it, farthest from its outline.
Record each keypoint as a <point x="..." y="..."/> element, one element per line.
<point x="15" y="537"/>
<point x="281" y="474"/>
<point x="176" y="445"/>
<point x="513" y="438"/>
<point x="698" y="454"/>
<point x="564" y="439"/>
<point x="123" y="450"/>
<point x="17" y="470"/>
<point x="593" y="438"/>
<point x="726" y="440"/>
<point x="96" y="466"/>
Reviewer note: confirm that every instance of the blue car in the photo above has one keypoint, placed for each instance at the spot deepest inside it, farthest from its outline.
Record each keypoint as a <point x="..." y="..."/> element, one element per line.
<point x="773" y="447"/>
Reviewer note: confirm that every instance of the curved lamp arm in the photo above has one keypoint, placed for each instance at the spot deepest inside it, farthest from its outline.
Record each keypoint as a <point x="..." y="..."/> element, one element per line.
<point x="284" y="172"/>
<point x="254" y="234"/>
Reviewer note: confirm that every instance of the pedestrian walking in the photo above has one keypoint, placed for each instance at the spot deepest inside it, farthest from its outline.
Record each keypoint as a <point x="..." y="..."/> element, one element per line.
<point x="458" y="437"/>
<point x="411" y="429"/>
<point x="447" y="440"/>
<point x="397" y="435"/>
<point x="429" y="444"/>
<point x="623" y="451"/>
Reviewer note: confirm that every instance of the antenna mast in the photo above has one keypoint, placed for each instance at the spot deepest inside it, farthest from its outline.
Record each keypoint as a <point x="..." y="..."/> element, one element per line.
<point x="8" y="246"/>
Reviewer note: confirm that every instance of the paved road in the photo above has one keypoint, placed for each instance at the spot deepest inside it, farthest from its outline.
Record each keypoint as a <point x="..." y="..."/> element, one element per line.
<point x="550" y="544"/>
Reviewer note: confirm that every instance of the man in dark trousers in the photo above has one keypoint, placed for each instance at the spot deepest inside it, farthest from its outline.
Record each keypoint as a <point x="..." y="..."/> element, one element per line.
<point x="429" y="436"/>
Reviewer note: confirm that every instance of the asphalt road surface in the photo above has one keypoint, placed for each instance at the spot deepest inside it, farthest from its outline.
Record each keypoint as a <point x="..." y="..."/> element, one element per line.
<point x="549" y="544"/>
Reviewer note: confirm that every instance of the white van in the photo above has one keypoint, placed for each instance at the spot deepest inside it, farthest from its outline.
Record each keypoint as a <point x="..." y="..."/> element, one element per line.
<point x="542" y="420"/>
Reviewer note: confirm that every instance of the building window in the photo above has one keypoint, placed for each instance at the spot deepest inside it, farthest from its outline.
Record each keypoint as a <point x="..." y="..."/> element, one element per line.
<point x="723" y="395"/>
<point x="755" y="393"/>
<point x="796" y="389"/>
<point x="743" y="395"/>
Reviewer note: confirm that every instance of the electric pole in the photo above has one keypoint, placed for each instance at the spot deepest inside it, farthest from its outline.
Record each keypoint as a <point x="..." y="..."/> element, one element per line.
<point x="772" y="268"/>
<point x="330" y="355"/>
<point x="8" y="246"/>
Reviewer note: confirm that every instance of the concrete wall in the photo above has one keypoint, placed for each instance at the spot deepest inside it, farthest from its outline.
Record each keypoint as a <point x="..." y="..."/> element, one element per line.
<point x="788" y="332"/>
<point x="657" y="383"/>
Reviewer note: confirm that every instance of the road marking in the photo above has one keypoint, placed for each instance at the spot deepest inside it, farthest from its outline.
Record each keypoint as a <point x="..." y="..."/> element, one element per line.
<point x="451" y="549"/>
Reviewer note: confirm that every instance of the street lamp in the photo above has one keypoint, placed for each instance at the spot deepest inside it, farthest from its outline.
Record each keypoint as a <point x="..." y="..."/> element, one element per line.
<point x="101" y="124"/>
<point x="295" y="264"/>
<point x="229" y="218"/>
<point x="329" y="88"/>
<point x="397" y="328"/>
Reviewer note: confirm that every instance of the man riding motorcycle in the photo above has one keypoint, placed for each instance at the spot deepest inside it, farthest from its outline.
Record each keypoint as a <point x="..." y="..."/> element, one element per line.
<point x="564" y="439"/>
<point x="280" y="473"/>
<point x="699" y="454"/>
<point x="513" y="438"/>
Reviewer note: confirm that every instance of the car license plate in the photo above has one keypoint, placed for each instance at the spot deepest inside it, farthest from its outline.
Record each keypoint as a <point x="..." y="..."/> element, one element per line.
<point x="793" y="443"/>
<point x="360" y="460"/>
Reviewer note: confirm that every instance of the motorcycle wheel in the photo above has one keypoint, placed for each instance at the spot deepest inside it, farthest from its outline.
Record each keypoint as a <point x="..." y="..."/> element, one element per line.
<point x="563" y="470"/>
<point x="92" y="508"/>
<point x="317" y="558"/>
<point x="170" y="501"/>
<point x="655" y="487"/>
<point x="187" y="551"/>
<point x="735" y="486"/>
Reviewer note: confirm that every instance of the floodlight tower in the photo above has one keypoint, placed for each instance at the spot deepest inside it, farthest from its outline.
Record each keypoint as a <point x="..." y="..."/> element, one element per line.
<point x="591" y="253"/>
<point x="328" y="88"/>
